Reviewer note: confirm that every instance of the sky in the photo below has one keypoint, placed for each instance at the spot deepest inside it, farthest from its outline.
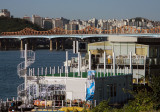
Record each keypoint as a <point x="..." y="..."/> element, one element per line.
<point x="84" y="9"/>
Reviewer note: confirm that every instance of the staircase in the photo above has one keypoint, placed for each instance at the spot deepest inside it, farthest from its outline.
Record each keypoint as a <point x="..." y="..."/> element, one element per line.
<point x="30" y="60"/>
<point x="22" y="70"/>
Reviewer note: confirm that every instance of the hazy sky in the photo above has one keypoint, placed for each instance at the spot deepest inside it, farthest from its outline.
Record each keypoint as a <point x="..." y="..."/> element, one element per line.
<point x="84" y="9"/>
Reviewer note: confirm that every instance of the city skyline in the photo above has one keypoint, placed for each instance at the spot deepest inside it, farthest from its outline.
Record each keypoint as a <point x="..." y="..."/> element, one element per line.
<point x="85" y="10"/>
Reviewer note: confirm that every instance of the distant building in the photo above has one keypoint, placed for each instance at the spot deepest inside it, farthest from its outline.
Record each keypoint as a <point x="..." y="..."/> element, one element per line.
<point x="118" y="23"/>
<point x="57" y="23"/>
<point x="85" y="23"/>
<point x="82" y="27"/>
<point x="149" y="25"/>
<point x="4" y="12"/>
<point x="27" y="18"/>
<point x="37" y="20"/>
<point x="107" y="25"/>
<point x="67" y="27"/>
<point x="100" y="23"/>
<point x="71" y="27"/>
<point x="76" y="22"/>
<point x="93" y="22"/>
<point x="47" y="23"/>
<point x="65" y="21"/>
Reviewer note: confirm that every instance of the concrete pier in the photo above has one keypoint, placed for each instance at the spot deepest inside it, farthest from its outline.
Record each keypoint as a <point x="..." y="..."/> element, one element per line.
<point x="6" y="44"/>
<point x="21" y="47"/>
<point x="33" y="44"/>
<point x="63" y="44"/>
<point x="28" y="43"/>
<point x="57" y="44"/>
<point x="51" y="46"/>
<point x="0" y="44"/>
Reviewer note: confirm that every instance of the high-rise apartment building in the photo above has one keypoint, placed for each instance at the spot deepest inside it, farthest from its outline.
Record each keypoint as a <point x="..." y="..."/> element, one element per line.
<point x="65" y="21"/>
<point x="93" y="22"/>
<point x="59" y="22"/>
<point x="4" y="12"/>
<point x="37" y="20"/>
<point x="47" y="23"/>
<point x="71" y="27"/>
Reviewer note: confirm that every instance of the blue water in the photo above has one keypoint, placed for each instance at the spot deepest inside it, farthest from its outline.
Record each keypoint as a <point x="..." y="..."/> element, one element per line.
<point x="9" y="80"/>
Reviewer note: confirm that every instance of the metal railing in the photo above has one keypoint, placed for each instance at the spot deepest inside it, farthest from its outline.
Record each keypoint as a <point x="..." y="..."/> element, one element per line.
<point x="30" y="60"/>
<point x="20" y="88"/>
<point x="123" y="61"/>
<point x="30" y="56"/>
<point x="22" y="69"/>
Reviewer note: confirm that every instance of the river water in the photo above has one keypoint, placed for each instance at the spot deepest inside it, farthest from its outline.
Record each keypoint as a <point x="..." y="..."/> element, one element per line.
<point x="9" y="80"/>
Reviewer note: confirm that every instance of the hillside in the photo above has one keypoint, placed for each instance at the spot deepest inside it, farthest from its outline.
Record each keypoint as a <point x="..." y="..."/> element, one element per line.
<point x="16" y="24"/>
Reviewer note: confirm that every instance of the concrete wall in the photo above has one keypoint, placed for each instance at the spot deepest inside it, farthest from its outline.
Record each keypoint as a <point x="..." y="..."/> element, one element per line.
<point x="76" y="88"/>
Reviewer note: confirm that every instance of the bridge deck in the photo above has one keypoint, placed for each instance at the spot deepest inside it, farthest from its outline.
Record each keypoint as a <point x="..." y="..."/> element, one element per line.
<point x="82" y="36"/>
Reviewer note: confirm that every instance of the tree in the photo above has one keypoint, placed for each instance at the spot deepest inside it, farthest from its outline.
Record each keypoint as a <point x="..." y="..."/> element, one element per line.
<point x="102" y="107"/>
<point x="155" y="85"/>
<point x="142" y="102"/>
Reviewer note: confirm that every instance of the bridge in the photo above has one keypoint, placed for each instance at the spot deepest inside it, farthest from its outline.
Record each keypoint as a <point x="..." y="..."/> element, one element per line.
<point x="84" y="33"/>
<point x="88" y="32"/>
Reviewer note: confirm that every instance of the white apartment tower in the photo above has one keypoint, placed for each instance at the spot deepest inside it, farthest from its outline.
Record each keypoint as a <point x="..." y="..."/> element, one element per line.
<point x="4" y="12"/>
<point x="47" y="23"/>
<point x="37" y="20"/>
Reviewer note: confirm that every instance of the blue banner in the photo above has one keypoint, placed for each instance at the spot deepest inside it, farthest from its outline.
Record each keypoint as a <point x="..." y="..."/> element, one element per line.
<point x="90" y="85"/>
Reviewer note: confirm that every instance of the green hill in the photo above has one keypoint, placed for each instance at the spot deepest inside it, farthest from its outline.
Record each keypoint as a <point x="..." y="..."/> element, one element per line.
<point x="16" y="24"/>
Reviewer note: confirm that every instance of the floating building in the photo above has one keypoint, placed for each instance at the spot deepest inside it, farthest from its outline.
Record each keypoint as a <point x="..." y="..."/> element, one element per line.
<point x="60" y="84"/>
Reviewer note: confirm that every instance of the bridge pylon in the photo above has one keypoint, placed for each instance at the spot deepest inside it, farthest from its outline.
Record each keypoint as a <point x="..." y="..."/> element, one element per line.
<point x="63" y="44"/>
<point x="21" y="47"/>
<point x="57" y="44"/>
<point x="0" y="44"/>
<point x="51" y="45"/>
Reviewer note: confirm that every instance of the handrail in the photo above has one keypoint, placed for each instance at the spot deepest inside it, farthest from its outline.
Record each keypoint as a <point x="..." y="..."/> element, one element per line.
<point x="30" y="60"/>
<point x="21" y="68"/>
